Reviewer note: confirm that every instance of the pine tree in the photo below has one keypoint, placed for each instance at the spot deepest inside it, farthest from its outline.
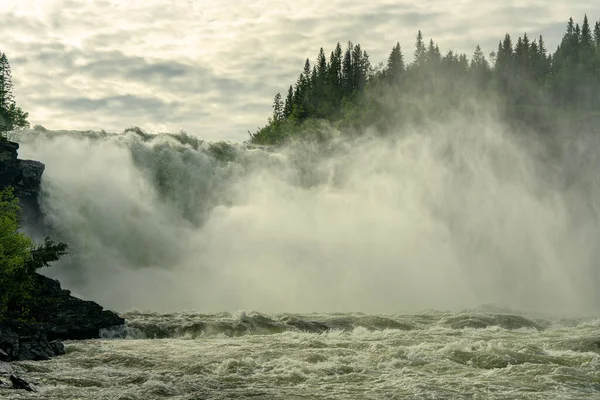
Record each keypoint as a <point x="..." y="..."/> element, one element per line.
<point x="11" y="116"/>
<point x="299" y="96"/>
<point x="307" y="71"/>
<point x="597" y="34"/>
<point x="480" y="68"/>
<point x="366" y="65"/>
<point x="359" y="73"/>
<point x="543" y="59"/>
<point x="433" y="56"/>
<point x="542" y="47"/>
<point x="586" y="34"/>
<point x="277" y="108"/>
<point x="321" y="68"/>
<point x="335" y="66"/>
<point x="504" y="65"/>
<point x="522" y="53"/>
<point x="478" y="58"/>
<point x="395" y="65"/>
<point x="463" y="63"/>
<point x="570" y="27"/>
<point x="347" y="71"/>
<point x="505" y="55"/>
<point x="420" y="51"/>
<point x="289" y="102"/>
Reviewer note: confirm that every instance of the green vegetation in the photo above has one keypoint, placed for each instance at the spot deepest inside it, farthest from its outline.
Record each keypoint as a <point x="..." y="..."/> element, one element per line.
<point x="533" y="89"/>
<point x="20" y="257"/>
<point x="11" y="116"/>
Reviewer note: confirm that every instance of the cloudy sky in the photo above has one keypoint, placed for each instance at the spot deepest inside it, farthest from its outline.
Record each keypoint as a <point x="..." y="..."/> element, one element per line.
<point x="212" y="67"/>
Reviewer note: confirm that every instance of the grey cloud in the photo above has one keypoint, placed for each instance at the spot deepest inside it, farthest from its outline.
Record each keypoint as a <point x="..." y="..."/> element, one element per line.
<point x="123" y="105"/>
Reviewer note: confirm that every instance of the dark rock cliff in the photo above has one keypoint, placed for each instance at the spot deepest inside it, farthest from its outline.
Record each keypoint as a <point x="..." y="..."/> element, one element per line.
<point x="57" y="314"/>
<point x="25" y="176"/>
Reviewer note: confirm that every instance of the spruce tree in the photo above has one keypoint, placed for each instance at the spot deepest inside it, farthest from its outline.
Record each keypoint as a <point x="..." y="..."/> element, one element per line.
<point x="521" y="56"/>
<point x="307" y="71"/>
<point x="321" y="68"/>
<point x="347" y="72"/>
<point x="299" y="95"/>
<point x="420" y="51"/>
<point x="11" y="116"/>
<point x="478" y="58"/>
<point x="395" y="65"/>
<point x="542" y="47"/>
<point x="433" y="54"/>
<point x="586" y="34"/>
<point x="334" y="76"/>
<point x="358" y="71"/>
<point x="289" y="102"/>
<point x="544" y="60"/>
<point x="335" y="67"/>
<point x="277" y="108"/>
<point x="480" y="68"/>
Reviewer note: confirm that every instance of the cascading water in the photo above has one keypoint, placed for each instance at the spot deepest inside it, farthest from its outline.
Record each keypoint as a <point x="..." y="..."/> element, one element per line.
<point x="442" y="218"/>
<point x="493" y="233"/>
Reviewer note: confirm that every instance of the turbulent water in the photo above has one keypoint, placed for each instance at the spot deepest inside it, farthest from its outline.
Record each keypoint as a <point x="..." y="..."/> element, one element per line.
<point x="448" y="217"/>
<point x="445" y="218"/>
<point x="433" y="355"/>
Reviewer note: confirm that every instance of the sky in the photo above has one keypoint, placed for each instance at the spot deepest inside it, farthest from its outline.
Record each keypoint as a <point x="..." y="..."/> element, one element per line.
<point x="211" y="68"/>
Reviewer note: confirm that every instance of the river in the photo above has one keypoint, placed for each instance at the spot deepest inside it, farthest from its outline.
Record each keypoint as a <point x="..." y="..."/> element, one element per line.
<point x="429" y="355"/>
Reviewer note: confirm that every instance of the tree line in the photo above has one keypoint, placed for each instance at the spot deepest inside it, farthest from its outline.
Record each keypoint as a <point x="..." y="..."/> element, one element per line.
<point x="530" y="82"/>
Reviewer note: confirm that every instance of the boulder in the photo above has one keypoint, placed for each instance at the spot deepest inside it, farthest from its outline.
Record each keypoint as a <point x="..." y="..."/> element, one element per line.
<point x="19" y="383"/>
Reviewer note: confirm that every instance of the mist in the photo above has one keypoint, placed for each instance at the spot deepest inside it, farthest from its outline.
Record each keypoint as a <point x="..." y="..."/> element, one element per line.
<point x="448" y="216"/>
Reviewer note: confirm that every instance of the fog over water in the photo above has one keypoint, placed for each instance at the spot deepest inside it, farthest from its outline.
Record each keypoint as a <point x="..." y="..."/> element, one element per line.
<point x="445" y="216"/>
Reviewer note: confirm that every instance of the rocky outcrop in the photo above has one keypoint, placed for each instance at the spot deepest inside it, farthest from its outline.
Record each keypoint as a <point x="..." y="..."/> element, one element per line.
<point x="58" y="316"/>
<point x="27" y="342"/>
<point x="66" y="317"/>
<point x="25" y="176"/>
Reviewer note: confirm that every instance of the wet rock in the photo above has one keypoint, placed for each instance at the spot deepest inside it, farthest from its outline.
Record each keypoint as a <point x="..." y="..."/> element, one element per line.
<point x="25" y="176"/>
<point x="68" y="318"/>
<point x="58" y="347"/>
<point x="25" y="342"/>
<point x="58" y="316"/>
<point x="35" y="347"/>
<point x="9" y="163"/>
<point x="9" y="343"/>
<point x="19" y="383"/>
